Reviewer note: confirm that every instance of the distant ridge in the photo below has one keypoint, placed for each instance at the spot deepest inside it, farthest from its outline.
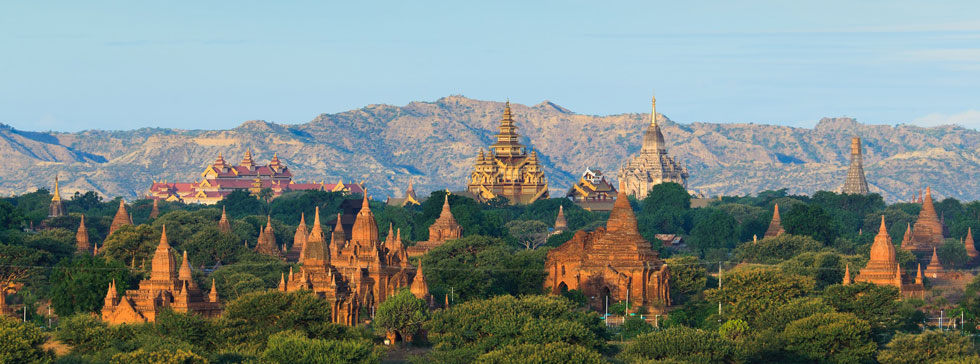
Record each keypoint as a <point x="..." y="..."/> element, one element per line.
<point x="436" y="142"/>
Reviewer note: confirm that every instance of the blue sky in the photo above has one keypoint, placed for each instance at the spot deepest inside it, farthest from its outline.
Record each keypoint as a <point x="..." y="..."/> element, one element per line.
<point x="74" y="65"/>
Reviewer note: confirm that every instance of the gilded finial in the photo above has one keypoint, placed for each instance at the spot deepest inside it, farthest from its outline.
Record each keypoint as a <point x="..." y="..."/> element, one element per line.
<point x="653" y="110"/>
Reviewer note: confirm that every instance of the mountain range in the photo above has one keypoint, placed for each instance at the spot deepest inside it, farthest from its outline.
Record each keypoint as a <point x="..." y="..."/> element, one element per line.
<point x="436" y="143"/>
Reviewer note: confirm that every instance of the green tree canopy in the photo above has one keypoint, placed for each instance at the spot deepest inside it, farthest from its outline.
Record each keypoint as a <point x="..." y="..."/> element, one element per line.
<point x="747" y="294"/>
<point x="402" y="313"/>
<point x="928" y="347"/>
<point x="80" y="283"/>
<point x="681" y="344"/>
<point x="776" y="249"/>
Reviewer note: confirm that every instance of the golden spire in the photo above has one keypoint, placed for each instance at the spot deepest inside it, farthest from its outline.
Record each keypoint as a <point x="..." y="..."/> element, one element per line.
<point x="57" y="193"/>
<point x="653" y="110"/>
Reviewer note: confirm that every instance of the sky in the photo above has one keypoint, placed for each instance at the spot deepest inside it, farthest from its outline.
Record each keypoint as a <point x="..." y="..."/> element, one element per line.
<point x="75" y="65"/>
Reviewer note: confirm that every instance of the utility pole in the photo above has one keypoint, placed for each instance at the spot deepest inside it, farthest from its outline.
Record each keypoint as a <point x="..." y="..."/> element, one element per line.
<point x="941" y="320"/>
<point x="719" y="288"/>
<point x="606" y="316"/>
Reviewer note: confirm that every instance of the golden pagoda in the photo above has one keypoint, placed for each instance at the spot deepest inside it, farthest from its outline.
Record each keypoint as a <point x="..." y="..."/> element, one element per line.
<point x="507" y="169"/>
<point x="653" y="165"/>
<point x="56" y="208"/>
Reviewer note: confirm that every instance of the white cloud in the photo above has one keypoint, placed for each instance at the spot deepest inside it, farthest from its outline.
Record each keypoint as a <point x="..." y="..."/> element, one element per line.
<point x="969" y="119"/>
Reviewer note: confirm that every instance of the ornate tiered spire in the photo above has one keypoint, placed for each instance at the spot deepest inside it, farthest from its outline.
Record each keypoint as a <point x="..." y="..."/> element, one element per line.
<point x="855" y="182"/>
<point x="81" y="238"/>
<point x="224" y="225"/>
<point x="365" y="230"/>
<point x="653" y="140"/>
<point x="508" y="144"/>
<point x="247" y="160"/>
<point x="56" y="208"/>
<point x="652" y="166"/>
<point x="163" y="265"/>
<point x="776" y="225"/>
<point x="121" y="219"/>
<point x="316" y="254"/>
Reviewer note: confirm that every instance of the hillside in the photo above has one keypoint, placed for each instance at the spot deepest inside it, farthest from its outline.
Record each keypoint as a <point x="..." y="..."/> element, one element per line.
<point x="436" y="142"/>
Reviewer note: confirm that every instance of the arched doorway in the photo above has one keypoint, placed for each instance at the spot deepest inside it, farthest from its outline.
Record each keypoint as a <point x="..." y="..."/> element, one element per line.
<point x="562" y="288"/>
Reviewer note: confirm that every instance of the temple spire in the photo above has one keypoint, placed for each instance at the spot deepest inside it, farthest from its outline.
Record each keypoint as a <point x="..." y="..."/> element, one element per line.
<point x="776" y="225"/>
<point x="82" y="244"/>
<point x="856" y="182"/>
<point x="847" y="275"/>
<point x="653" y="110"/>
<point x="121" y="219"/>
<point x="185" y="269"/>
<point x="56" y="208"/>
<point x="213" y="295"/>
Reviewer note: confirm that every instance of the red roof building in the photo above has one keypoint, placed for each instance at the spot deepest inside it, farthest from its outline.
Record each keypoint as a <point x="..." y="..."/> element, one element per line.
<point x="220" y="179"/>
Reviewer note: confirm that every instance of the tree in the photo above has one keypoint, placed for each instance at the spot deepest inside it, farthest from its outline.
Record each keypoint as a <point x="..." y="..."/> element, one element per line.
<point x="131" y="245"/>
<point x="403" y="314"/>
<point x="928" y="347"/>
<point x="292" y="347"/>
<point x="479" y="267"/>
<point x="240" y="203"/>
<point x="681" y="344"/>
<point x="17" y="264"/>
<point x="551" y="353"/>
<point x="252" y="273"/>
<point x="826" y="267"/>
<point x="141" y="356"/>
<point x="774" y="249"/>
<point x="779" y="316"/>
<point x="878" y="305"/>
<point x="470" y="329"/>
<point x="250" y="320"/>
<point x="687" y="275"/>
<point x="953" y="254"/>
<point x="80" y="283"/>
<point x="210" y="246"/>
<point x="746" y="294"/>
<point x="667" y="196"/>
<point x="529" y="234"/>
<point x="716" y="231"/>
<point x="830" y="338"/>
<point x="10" y="216"/>
<point x="811" y="220"/>
<point x="20" y="342"/>
<point x="84" y="332"/>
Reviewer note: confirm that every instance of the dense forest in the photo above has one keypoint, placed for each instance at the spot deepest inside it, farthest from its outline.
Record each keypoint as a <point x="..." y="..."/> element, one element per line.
<point x="738" y="298"/>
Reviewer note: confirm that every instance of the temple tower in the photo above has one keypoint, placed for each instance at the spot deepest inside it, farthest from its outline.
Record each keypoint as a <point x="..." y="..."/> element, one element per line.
<point x="776" y="225"/>
<point x="224" y="225"/>
<point x="82" y="244"/>
<point x="561" y="225"/>
<point x="855" y="182"/>
<point x="927" y="233"/>
<point x="508" y="170"/>
<point x="653" y="165"/>
<point x="56" y="208"/>
<point x="121" y="219"/>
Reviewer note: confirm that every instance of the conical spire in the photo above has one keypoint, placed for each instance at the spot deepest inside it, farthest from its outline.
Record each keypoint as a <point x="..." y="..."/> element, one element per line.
<point x="928" y="231"/>
<point x="882" y="250"/>
<point x="316" y="254"/>
<point x="56" y="208"/>
<point x="907" y="238"/>
<point x="224" y="225"/>
<point x="621" y="218"/>
<point x="163" y="266"/>
<point x="338" y="237"/>
<point x="847" y="275"/>
<point x="213" y="295"/>
<point x="918" y="273"/>
<point x="776" y="225"/>
<point x="121" y="219"/>
<point x="968" y="243"/>
<point x="282" y="282"/>
<point x="653" y="139"/>
<point x="365" y="230"/>
<point x="299" y="239"/>
<point x="934" y="269"/>
<point x="57" y="192"/>
<point x="185" y="269"/>
<point x="155" y="211"/>
<point x="560" y="223"/>
<point x="856" y="182"/>
<point x="82" y="244"/>
<point x="419" y="287"/>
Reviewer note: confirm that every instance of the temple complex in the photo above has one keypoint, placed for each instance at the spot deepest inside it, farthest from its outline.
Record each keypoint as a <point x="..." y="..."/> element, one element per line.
<point x="121" y="219"/>
<point x="855" y="182"/>
<point x="927" y="233"/>
<point x="56" y="208"/>
<point x="444" y="228"/>
<point x="653" y="165"/>
<point x="409" y="199"/>
<point x="592" y="192"/>
<point x="507" y="169"/>
<point x="221" y="178"/>
<point x="168" y="287"/>
<point x="883" y="269"/>
<point x="612" y="262"/>
<point x="355" y="272"/>
<point x="82" y="244"/>
<point x="776" y="225"/>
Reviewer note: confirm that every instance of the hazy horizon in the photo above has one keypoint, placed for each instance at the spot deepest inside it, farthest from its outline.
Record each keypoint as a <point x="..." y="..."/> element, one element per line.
<point x="100" y="65"/>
